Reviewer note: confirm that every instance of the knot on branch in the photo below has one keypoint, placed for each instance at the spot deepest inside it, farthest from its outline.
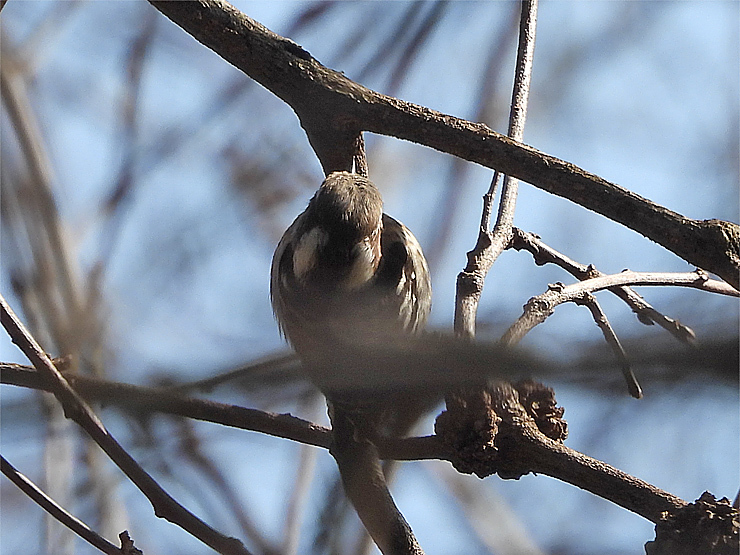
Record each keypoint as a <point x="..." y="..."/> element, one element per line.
<point x="482" y="428"/>
<point x="539" y="402"/>
<point x="469" y="284"/>
<point x="708" y="526"/>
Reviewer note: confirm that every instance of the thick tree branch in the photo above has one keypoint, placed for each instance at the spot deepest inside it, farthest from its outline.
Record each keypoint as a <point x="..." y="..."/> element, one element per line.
<point x="514" y="430"/>
<point x="333" y="110"/>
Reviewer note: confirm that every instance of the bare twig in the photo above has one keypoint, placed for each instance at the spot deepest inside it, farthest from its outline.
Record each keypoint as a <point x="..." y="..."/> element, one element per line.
<point x="491" y="244"/>
<point x="539" y="308"/>
<point x="165" y="506"/>
<point x="391" y="39"/>
<point x="646" y="314"/>
<point x="613" y="341"/>
<point x="254" y="371"/>
<point x="150" y="399"/>
<point x="496" y="524"/>
<point x="486" y="108"/>
<point x="191" y="449"/>
<point x="125" y="181"/>
<point x="27" y="129"/>
<point x="57" y="511"/>
<point x="419" y="38"/>
<point x="45" y="275"/>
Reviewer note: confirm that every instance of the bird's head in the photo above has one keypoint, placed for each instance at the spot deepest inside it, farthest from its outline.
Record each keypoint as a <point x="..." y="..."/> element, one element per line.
<point x="338" y="241"/>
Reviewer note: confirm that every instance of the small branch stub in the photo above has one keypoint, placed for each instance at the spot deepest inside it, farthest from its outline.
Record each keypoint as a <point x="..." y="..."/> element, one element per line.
<point x="127" y="544"/>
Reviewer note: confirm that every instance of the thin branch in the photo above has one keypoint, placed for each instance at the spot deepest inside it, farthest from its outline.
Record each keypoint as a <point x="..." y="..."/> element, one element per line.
<point x="359" y="465"/>
<point x="300" y="493"/>
<point x="266" y="366"/>
<point x="486" y="109"/>
<point x="114" y="207"/>
<point x="544" y="254"/>
<point x="56" y="510"/>
<point x="165" y="506"/>
<point x="15" y="99"/>
<point x="334" y="110"/>
<point x="613" y="341"/>
<point x="491" y="244"/>
<point x="543" y="456"/>
<point x="391" y="39"/>
<point x="498" y="526"/>
<point x="152" y="399"/>
<point x="415" y="44"/>
<point x="539" y="308"/>
<point x="191" y="449"/>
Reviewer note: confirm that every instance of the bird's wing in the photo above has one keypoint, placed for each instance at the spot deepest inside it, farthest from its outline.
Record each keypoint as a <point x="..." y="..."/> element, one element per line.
<point x="404" y="271"/>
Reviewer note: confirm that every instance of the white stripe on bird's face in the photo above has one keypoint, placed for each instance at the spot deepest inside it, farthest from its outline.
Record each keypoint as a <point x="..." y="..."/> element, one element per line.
<point x="306" y="252"/>
<point x="365" y="259"/>
<point x="360" y="266"/>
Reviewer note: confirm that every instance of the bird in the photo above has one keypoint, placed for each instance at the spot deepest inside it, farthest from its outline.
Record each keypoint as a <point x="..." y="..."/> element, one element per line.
<point x="347" y="275"/>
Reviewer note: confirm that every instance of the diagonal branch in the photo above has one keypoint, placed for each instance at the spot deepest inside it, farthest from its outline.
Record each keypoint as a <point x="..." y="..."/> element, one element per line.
<point x="612" y="340"/>
<point x="57" y="511"/>
<point x="333" y="110"/>
<point x="75" y="408"/>
<point x="538" y="453"/>
<point x="154" y="399"/>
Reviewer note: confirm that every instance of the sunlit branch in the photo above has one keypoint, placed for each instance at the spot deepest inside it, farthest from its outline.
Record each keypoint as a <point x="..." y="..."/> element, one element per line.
<point x="540" y="307"/>
<point x="491" y="244"/>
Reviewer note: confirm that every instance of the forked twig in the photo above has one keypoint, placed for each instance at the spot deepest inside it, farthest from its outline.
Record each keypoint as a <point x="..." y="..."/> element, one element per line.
<point x="540" y="307"/>
<point x="491" y="244"/>
<point x="544" y="254"/>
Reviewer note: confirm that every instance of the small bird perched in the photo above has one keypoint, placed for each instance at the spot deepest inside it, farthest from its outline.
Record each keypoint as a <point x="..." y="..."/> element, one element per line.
<point x="345" y="274"/>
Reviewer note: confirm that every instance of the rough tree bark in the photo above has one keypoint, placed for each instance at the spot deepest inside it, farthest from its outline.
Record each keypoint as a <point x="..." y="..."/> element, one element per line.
<point x="334" y="110"/>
